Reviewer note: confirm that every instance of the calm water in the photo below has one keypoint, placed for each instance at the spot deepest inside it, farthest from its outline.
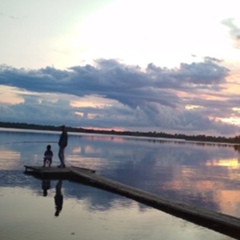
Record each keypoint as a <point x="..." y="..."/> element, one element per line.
<point x="205" y="175"/>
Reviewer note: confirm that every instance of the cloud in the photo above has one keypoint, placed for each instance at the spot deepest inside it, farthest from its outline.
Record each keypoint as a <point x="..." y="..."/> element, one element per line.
<point x="154" y="98"/>
<point x="234" y="30"/>
<point x="117" y="81"/>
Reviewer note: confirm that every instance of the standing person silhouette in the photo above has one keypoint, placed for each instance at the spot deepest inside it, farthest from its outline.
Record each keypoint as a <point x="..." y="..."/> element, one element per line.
<point x="62" y="143"/>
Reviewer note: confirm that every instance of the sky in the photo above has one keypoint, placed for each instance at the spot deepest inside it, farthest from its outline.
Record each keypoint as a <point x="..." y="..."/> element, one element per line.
<point x="150" y="65"/>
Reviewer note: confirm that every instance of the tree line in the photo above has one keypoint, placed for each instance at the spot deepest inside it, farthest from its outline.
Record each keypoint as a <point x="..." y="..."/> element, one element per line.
<point x="201" y="138"/>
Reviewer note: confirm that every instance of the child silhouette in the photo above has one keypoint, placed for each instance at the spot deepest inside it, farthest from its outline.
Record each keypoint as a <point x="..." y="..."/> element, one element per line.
<point x="48" y="156"/>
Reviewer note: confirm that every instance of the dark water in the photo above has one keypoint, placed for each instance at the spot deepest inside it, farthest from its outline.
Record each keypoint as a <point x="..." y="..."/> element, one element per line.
<point x="205" y="175"/>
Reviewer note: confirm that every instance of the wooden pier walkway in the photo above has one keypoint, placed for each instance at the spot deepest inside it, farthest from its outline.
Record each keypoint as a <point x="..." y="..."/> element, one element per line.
<point x="53" y="171"/>
<point x="219" y="222"/>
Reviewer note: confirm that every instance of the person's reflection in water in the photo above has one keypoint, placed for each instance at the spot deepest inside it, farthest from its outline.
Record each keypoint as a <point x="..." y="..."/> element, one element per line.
<point x="46" y="185"/>
<point x="58" y="198"/>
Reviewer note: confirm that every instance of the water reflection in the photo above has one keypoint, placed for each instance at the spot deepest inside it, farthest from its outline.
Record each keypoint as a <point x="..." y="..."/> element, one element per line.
<point x="237" y="148"/>
<point x="10" y="158"/>
<point x="229" y="163"/>
<point x="204" y="175"/>
<point x="46" y="185"/>
<point x="122" y="220"/>
<point x="58" y="198"/>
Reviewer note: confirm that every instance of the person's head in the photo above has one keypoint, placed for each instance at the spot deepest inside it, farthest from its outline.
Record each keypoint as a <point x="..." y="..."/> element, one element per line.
<point x="48" y="147"/>
<point x="63" y="127"/>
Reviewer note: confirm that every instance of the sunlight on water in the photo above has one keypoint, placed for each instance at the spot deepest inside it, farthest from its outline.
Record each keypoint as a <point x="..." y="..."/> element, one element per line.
<point x="8" y="159"/>
<point x="231" y="163"/>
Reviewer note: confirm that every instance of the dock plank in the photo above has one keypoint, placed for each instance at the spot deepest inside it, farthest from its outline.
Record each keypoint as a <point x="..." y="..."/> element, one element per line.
<point x="216" y="221"/>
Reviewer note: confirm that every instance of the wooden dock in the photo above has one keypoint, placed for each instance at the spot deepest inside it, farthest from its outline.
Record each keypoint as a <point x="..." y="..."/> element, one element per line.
<point x="53" y="172"/>
<point x="219" y="222"/>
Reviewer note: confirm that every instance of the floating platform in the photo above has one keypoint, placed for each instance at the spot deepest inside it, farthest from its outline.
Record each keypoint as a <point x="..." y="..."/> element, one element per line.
<point x="53" y="171"/>
<point x="216" y="221"/>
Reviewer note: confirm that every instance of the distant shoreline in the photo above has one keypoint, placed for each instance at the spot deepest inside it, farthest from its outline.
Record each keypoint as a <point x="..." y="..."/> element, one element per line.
<point x="196" y="138"/>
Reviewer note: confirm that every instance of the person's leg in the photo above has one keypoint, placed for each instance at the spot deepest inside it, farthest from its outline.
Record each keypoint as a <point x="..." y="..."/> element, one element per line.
<point x="44" y="162"/>
<point x="61" y="156"/>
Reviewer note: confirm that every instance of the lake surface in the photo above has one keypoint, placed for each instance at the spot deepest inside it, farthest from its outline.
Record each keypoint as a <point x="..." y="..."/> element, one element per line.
<point x="205" y="175"/>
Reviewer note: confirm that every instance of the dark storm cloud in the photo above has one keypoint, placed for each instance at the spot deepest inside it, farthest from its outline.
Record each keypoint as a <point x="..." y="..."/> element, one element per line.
<point x="145" y="99"/>
<point x="127" y="84"/>
<point x="205" y="74"/>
